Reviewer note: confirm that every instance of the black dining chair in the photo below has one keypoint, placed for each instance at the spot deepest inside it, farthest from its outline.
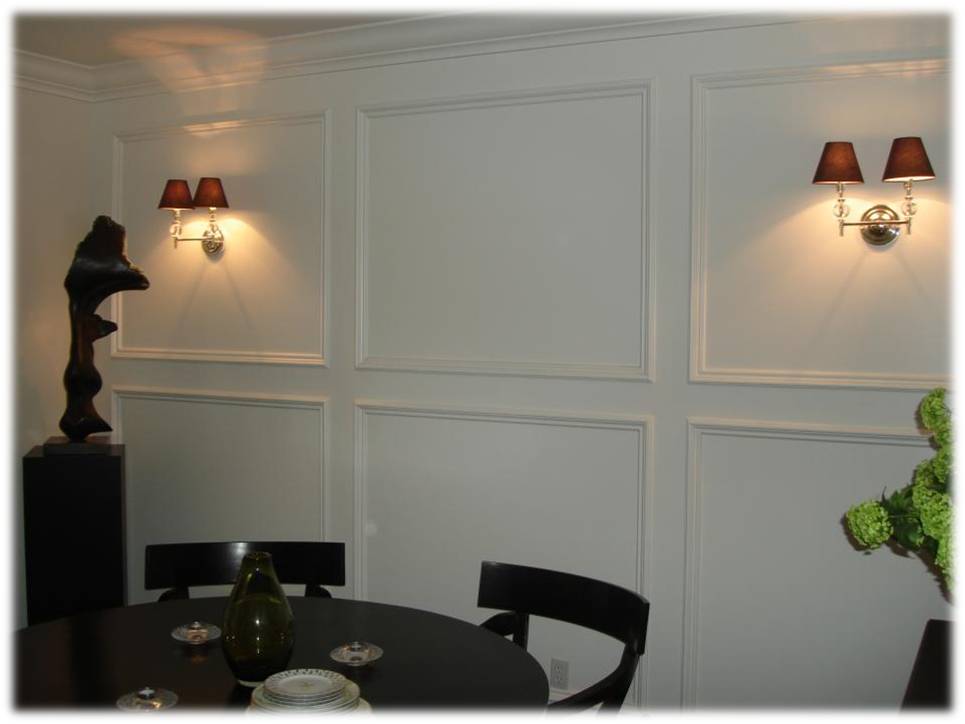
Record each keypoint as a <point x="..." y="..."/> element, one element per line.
<point x="523" y="591"/>
<point x="177" y="566"/>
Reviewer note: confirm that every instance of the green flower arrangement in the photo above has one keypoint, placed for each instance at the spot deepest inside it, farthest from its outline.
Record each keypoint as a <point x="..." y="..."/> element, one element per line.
<point x="919" y="516"/>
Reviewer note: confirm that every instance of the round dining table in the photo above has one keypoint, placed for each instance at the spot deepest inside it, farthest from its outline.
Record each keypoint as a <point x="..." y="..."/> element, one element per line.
<point x="428" y="661"/>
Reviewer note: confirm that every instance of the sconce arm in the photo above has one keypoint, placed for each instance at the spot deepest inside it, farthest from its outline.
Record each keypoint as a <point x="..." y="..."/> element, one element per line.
<point x="879" y="225"/>
<point x="876" y="223"/>
<point x="212" y="241"/>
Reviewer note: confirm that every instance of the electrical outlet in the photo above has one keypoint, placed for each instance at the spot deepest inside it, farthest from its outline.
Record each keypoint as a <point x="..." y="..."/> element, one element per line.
<point x="559" y="674"/>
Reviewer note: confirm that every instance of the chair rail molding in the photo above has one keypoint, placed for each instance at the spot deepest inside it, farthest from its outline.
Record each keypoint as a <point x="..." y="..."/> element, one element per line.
<point x="702" y="86"/>
<point x="643" y="372"/>
<point x="279" y="357"/>
<point x="319" y="404"/>
<point x="393" y="42"/>
<point x="699" y="428"/>
<point x="642" y="425"/>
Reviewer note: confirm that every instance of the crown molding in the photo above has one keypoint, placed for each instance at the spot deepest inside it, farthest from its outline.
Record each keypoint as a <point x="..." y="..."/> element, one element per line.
<point x="54" y="76"/>
<point x="362" y="46"/>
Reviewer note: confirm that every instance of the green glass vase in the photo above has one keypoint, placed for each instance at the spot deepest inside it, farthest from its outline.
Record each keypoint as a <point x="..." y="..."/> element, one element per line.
<point x="259" y="630"/>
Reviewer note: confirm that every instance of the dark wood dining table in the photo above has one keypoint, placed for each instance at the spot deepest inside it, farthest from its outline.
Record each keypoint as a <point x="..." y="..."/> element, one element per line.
<point x="429" y="660"/>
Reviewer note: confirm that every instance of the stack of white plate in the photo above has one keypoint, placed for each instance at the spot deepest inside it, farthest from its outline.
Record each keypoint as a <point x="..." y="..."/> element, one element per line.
<point x="307" y="690"/>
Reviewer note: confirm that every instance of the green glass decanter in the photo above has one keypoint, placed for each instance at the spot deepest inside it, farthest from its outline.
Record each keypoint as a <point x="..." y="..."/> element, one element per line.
<point x="259" y="630"/>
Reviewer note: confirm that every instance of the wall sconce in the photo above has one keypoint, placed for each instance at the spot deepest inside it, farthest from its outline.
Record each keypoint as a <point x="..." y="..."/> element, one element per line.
<point x="880" y="224"/>
<point x="177" y="198"/>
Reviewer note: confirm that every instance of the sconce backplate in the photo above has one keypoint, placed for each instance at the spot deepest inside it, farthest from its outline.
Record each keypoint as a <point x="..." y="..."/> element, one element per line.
<point x="211" y="245"/>
<point x="883" y="233"/>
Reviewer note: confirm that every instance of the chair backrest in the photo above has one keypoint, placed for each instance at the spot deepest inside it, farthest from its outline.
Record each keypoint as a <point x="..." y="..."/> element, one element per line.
<point x="178" y="566"/>
<point x="582" y="601"/>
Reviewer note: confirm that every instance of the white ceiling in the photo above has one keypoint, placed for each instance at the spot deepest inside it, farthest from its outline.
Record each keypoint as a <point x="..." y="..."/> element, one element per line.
<point x="101" y="39"/>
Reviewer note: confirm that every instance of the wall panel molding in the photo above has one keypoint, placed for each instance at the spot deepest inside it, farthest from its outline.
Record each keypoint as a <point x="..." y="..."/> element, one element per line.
<point x="319" y="359"/>
<point x="700" y="369"/>
<point x="643" y="372"/>
<point x="319" y="405"/>
<point x="699" y="428"/>
<point x="641" y="425"/>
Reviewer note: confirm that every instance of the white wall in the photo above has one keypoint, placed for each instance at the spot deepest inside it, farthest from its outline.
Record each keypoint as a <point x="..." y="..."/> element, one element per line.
<point x="577" y="307"/>
<point x="52" y="216"/>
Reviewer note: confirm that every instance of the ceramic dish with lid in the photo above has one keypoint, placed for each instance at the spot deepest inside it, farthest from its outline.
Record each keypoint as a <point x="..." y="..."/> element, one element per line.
<point x="147" y="698"/>
<point x="196" y="633"/>
<point x="356" y="653"/>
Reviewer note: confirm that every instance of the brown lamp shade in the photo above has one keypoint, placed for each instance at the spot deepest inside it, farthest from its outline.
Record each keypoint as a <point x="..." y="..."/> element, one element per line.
<point x="177" y="195"/>
<point x="210" y="193"/>
<point x="908" y="161"/>
<point x="838" y="165"/>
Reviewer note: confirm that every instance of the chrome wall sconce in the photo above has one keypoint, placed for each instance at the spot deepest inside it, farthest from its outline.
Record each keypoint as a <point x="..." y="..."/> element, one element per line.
<point x="177" y="198"/>
<point x="907" y="163"/>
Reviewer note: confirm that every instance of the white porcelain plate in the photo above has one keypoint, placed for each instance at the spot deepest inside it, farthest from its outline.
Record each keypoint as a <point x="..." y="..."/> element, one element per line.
<point x="302" y="700"/>
<point x="348" y="700"/>
<point x="361" y="705"/>
<point x="304" y="685"/>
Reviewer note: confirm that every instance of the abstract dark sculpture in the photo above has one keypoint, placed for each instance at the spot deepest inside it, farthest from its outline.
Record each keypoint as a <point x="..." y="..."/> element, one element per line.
<point x="100" y="268"/>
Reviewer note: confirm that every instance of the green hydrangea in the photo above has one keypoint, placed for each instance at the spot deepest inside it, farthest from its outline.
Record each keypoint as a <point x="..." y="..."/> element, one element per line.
<point x="943" y="437"/>
<point x="944" y="557"/>
<point x="941" y="465"/>
<point x="935" y="510"/>
<point x="932" y="410"/>
<point x="869" y="523"/>
<point x="917" y="516"/>
<point x="924" y="476"/>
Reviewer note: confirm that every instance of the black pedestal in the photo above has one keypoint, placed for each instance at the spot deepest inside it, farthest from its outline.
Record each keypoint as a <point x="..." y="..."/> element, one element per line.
<point x="73" y="521"/>
<point x="930" y="684"/>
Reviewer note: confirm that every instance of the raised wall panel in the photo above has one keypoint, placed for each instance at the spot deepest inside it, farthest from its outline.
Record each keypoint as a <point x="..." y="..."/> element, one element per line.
<point x="781" y="610"/>
<point x="484" y="228"/>
<point x="209" y="466"/>
<point x="440" y="490"/>
<point x="261" y="300"/>
<point x="778" y="296"/>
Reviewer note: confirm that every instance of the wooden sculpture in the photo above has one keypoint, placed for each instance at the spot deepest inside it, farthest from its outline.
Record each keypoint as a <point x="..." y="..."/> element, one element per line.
<point x="100" y="268"/>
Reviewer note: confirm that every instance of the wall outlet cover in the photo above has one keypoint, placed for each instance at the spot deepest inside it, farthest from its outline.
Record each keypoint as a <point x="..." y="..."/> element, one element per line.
<point x="559" y="674"/>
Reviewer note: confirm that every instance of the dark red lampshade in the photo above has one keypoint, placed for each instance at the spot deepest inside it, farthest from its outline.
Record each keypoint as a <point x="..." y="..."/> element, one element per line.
<point x="210" y="193"/>
<point x="838" y="165"/>
<point x="908" y="161"/>
<point x="177" y="195"/>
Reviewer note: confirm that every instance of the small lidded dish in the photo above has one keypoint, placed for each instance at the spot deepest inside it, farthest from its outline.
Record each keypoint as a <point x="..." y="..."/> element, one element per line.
<point x="196" y="633"/>
<point x="356" y="653"/>
<point x="147" y="699"/>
